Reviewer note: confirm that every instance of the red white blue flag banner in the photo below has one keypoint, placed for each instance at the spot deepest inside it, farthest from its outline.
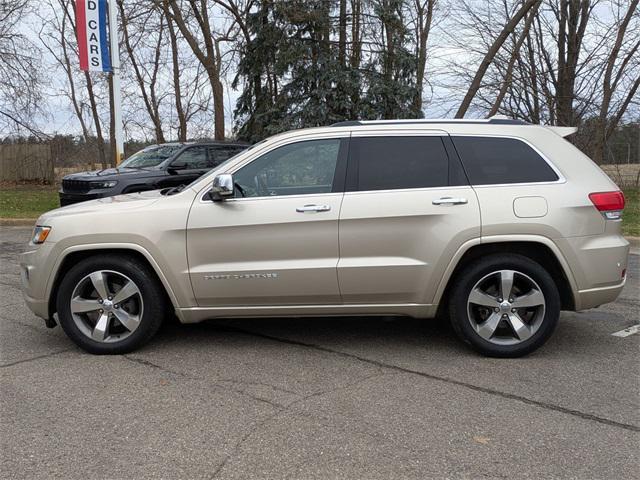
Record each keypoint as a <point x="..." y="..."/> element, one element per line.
<point x="93" y="39"/>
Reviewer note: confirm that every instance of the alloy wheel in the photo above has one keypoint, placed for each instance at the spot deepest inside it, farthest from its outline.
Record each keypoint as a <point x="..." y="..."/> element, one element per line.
<point x="106" y="306"/>
<point x="506" y="307"/>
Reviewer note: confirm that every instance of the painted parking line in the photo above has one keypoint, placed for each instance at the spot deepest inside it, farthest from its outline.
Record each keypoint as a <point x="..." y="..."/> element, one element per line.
<point x="627" y="331"/>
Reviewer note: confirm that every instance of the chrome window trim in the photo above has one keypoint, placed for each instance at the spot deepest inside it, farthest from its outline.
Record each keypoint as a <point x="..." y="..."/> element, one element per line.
<point x="263" y="151"/>
<point x="561" y="177"/>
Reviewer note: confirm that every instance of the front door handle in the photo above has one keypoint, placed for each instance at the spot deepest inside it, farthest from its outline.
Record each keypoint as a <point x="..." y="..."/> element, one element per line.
<point x="313" y="208"/>
<point x="450" y="201"/>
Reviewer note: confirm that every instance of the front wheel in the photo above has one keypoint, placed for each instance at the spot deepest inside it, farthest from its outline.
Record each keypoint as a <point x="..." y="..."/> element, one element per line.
<point x="110" y="304"/>
<point x="504" y="305"/>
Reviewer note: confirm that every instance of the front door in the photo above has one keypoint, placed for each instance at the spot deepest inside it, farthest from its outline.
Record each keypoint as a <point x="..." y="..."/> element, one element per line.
<point x="276" y="241"/>
<point x="408" y="210"/>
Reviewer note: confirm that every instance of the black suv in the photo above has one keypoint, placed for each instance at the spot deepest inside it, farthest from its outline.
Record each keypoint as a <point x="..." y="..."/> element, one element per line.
<point x="154" y="167"/>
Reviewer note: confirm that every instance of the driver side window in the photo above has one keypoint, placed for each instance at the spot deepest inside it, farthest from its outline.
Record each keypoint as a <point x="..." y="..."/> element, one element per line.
<point x="296" y="169"/>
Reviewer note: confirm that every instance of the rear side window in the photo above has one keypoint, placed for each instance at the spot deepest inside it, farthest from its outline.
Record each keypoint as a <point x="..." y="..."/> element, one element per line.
<point x="494" y="161"/>
<point x="386" y="163"/>
<point x="220" y="153"/>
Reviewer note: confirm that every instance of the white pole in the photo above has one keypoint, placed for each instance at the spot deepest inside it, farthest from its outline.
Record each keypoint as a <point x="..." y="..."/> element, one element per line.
<point x="115" y="65"/>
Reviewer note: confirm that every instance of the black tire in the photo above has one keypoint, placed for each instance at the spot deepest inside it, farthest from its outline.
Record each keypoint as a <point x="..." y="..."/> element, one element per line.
<point x="473" y="273"/>
<point x="151" y="291"/>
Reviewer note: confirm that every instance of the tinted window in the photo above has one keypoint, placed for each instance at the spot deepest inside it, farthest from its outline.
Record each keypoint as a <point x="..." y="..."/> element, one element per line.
<point x="399" y="162"/>
<point x="492" y="161"/>
<point x="296" y="169"/>
<point x="193" y="158"/>
<point x="219" y="154"/>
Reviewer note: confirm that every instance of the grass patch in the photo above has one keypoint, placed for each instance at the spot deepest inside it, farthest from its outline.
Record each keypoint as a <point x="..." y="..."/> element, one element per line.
<point x="631" y="215"/>
<point x="27" y="201"/>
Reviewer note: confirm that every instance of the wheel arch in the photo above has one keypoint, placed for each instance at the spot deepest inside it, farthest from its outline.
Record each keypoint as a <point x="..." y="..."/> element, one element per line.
<point x="72" y="256"/>
<point x="539" y="249"/>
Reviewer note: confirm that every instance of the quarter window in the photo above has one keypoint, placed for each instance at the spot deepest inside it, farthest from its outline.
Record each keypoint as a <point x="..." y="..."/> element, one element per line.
<point x="385" y="163"/>
<point x="495" y="160"/>
<point x="296" y="169"/>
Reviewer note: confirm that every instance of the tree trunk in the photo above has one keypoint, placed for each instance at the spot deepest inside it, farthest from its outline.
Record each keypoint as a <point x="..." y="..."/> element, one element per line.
<point x="493" y="50"/>
<point x="96" y="120"/>
<point x="512" y="60"/>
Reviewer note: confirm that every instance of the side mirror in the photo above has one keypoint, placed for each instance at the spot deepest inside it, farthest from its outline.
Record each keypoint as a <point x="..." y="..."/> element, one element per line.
<point x="176" y="166"/>
<point x="222" y="187"/>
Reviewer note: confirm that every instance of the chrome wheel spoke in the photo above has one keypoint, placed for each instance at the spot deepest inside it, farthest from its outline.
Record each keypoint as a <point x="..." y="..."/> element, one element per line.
<point x="83" y="305"/>
<point x="506" y="283"/>
<point x="126" y="292"/>
<point x="99" y="284"/>
<point x="130" y="322"/>
<point x="532" y="299"/>
<point x="487" y="328"/>
<point x="522" y="330"/>
<point x="100" y="330"/>
<point x="478" y="297"/>
<point x="106" y="306"/>
<point x="506" y="307"/>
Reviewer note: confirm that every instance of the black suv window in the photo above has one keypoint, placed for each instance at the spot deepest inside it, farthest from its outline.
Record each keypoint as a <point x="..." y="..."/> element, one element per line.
<point x="495" y="160"/>
<point x="220" y="153"/>
<point x="296" y="169"/>
<point x="193" y="158"/>
<point x="385" y="163"/>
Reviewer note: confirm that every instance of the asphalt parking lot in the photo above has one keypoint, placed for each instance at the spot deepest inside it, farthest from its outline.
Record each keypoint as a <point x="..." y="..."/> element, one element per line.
<point x="318" y="398"/>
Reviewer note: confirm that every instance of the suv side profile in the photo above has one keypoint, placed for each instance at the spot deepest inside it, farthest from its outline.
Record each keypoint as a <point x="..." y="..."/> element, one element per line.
<point x="497" y="224"/>
<point x="157" y="166"/>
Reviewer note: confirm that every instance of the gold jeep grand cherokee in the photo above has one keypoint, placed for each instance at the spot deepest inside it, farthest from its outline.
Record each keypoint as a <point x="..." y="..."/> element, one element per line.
<point x="496" y="223"/>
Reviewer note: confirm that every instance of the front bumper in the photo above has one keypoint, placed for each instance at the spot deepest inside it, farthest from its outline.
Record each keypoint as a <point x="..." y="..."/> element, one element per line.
<point x="71" y="198"/>
<point x="35" y="266"/>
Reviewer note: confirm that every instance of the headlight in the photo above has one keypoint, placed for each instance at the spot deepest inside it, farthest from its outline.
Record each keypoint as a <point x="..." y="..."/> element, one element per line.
<point x="109" y="184"/>
<point x="40" y="234"/>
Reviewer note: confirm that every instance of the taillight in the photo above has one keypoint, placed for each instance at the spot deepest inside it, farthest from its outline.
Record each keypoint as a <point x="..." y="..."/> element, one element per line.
<point x="610" y="204"/>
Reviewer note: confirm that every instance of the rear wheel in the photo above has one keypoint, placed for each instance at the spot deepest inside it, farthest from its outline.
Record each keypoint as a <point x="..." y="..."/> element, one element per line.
<point x="110" y="304"/>
<point x="504" y="305"/>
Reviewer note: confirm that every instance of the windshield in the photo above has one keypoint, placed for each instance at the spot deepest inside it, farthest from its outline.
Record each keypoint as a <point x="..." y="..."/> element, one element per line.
<point x="150" y="156"/>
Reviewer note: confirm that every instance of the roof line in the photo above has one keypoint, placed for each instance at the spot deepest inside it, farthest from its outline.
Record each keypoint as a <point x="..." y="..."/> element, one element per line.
<point x="490" y="121"/>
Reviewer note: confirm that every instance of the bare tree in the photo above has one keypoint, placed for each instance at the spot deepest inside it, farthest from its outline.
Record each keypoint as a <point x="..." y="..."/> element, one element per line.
<point x="424" y="19"/>
<point x="20" y="80"/>
<point x="526" y="6"/>
<point x="147" y="79"/>
<point x="617" y="67"/>
<point x="209" y="56"/>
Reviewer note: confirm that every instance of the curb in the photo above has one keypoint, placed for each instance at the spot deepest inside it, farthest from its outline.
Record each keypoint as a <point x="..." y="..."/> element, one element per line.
<point x="634" y="241"/>
<point x="17" y="222"/>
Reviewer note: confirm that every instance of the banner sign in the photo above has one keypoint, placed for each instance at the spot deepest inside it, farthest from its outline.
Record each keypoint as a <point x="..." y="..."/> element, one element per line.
<point x="93" y="42"/>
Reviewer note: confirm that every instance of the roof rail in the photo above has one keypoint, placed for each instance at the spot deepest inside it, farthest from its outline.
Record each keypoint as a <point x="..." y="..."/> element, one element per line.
<point x="490" y="121"/>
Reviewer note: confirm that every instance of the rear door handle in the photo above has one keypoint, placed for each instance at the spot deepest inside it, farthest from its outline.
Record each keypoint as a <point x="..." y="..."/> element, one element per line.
<point x="313" y="208"/>
<point x="450" y="201"/>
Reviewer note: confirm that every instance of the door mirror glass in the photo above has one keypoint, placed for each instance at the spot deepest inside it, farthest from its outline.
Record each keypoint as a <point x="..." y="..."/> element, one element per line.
<point x="222" y="187"/>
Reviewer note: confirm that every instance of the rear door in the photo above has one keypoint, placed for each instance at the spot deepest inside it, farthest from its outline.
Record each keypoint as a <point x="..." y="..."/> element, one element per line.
<point x="407" y="209"/>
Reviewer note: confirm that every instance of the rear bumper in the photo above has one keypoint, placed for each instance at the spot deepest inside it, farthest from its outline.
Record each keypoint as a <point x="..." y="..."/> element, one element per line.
<point x="598" y="264"/>
<point x="598" y="296"/>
